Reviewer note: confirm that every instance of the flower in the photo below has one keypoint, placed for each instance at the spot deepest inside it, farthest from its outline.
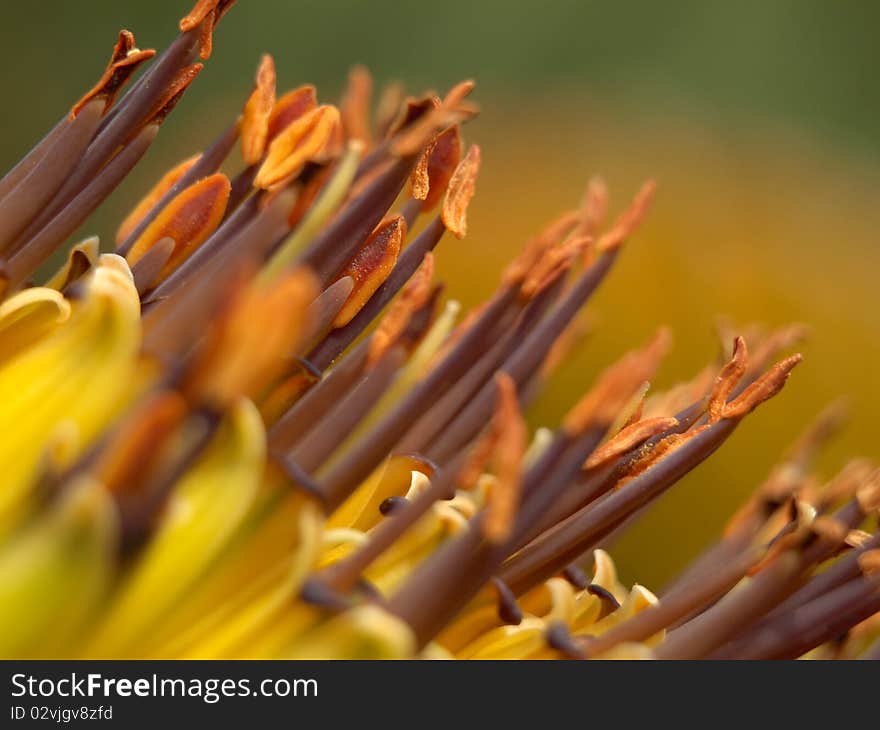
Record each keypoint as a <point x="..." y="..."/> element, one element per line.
<point x="256" y="429"/>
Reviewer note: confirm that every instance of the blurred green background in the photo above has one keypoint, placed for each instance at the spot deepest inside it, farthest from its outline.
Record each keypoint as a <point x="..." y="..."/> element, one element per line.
<point x="758" y="119"/>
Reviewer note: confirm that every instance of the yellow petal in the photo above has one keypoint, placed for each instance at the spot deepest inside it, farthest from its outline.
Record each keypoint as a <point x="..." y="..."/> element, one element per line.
<point x="508" y="642"/>
<point x="80" y="258"/>
<point x="53" y="575"/>
<point x="365" y="632"/>
<point x="28" y="317"/>
<point x="251" y="583"/>
<point x="605" y="575"/>
<point x="638" y="600"/>
<point x="79" y="376"/>
<point x="391" y="478"/>
<point x="208" y="504"/>
<point x="143" y="208"/>
<point x="470" y="625"/>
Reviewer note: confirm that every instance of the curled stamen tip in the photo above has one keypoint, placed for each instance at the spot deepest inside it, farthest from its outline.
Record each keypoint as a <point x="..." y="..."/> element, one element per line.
<point x="124" y="61"/>
<point x="630" y="219"/>
<point x="436" y="166"/>
<point x="199" y="12"/>
<point x="257" y="110"/>
<point x="461" y="189"/>
<point x="205" y="15"/>
<point x="764" y="388"/>
<point x="371" y="266"/>
<point x="727" y="379"/>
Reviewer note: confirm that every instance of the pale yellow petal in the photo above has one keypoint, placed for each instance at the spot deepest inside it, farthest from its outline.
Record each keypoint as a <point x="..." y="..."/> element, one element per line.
<point x="54" y="575"/>
<point x="207" y="505"/>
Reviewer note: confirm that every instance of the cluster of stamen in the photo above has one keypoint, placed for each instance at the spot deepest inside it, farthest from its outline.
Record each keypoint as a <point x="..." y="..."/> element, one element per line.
<point x="305" y="284"/>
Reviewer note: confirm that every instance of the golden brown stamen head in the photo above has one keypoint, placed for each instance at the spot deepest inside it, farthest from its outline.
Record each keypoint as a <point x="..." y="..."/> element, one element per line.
<point x="290" y="107"/>
<point x="124" y="61"/>
<point x="371" y="266"/>
<point x="156" y="194"/>
<point x="188" y="220"/>
<point x="302" y="141"/>
<point x="628" y="438"/>
<point x="257" y="110"/>
<point x="764" y="388"/>
<point x="461" y="189"/>
<point x="436" y="166"/>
